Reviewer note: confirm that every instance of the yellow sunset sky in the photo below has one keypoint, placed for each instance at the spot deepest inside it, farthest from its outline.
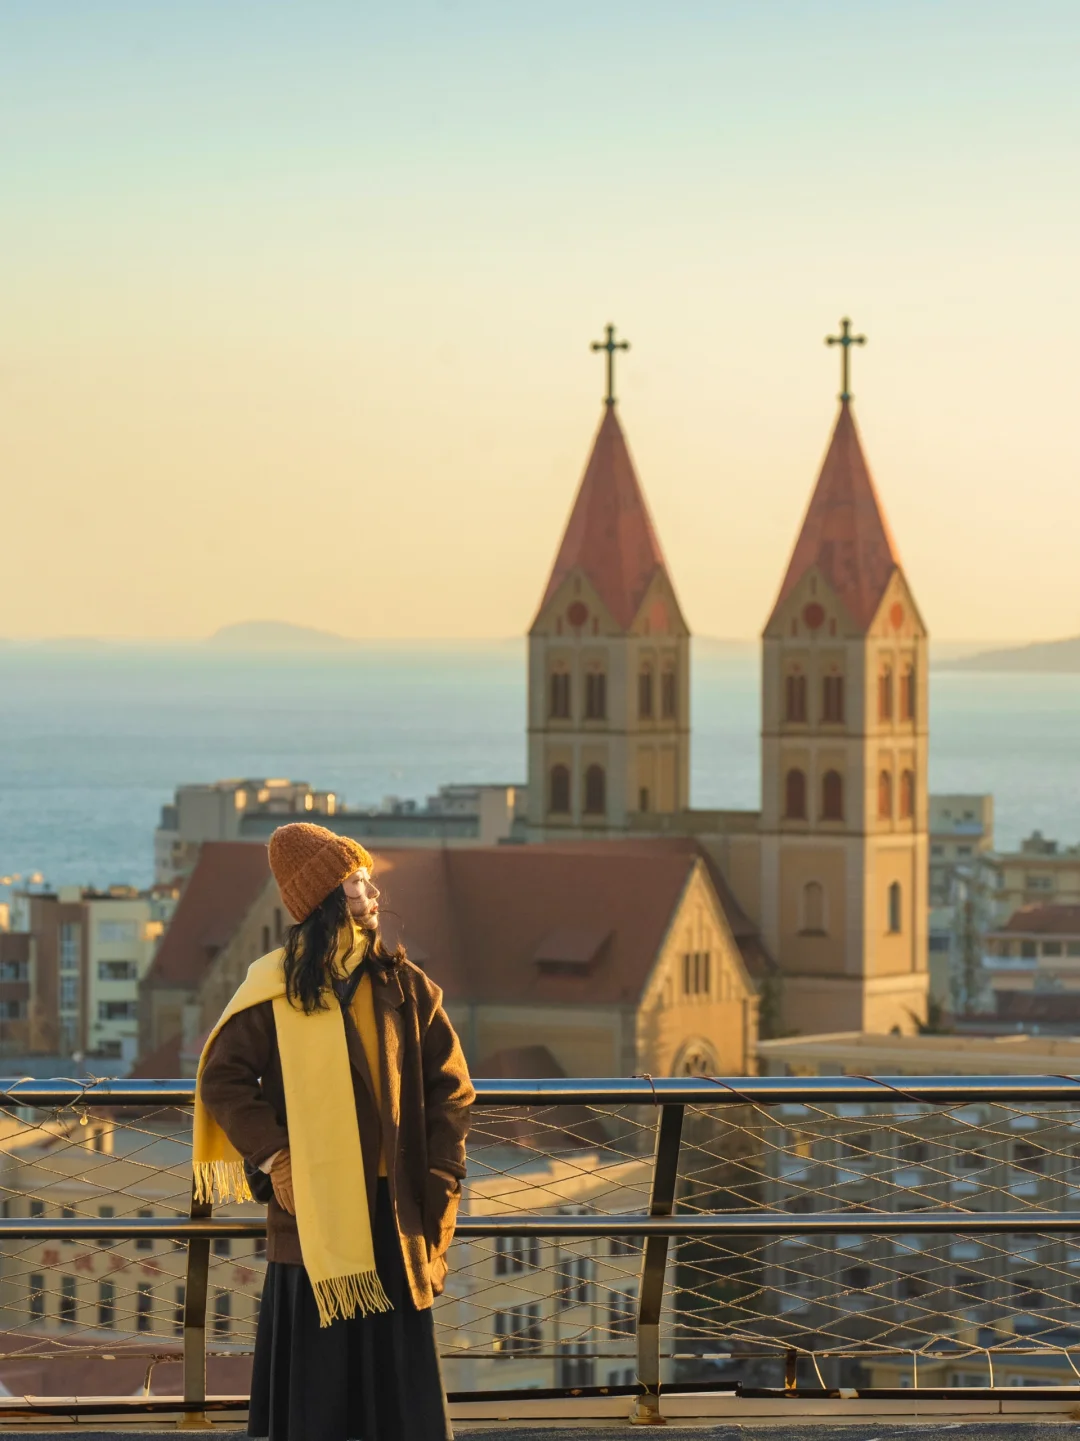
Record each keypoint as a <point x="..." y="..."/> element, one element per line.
<point x="296" y="302"/>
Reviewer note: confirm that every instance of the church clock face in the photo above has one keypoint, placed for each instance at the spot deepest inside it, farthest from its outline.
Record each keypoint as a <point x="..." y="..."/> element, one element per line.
<point x="813" y="615"/>
<point x="577" y="614"/>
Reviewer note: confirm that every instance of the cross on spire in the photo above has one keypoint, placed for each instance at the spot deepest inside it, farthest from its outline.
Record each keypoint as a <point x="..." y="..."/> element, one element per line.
<point x="845" y="340"/>
<point x="611" y="345"/>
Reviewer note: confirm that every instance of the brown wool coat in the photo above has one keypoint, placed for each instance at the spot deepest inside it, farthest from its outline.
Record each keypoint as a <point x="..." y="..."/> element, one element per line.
<point x="426" y="1099"/>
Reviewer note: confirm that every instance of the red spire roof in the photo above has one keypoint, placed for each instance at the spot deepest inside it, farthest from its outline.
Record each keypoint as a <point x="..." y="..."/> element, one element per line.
<point x="610" y="533"/>
<point x="845" y="533"/>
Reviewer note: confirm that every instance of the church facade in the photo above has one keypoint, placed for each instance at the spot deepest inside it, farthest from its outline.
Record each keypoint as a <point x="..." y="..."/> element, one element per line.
<point x="832" y="870"/>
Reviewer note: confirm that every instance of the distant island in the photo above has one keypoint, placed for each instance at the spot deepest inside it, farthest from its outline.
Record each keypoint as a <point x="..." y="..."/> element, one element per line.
<point x="1048" y="657"/>
<point x="276" y="635"/>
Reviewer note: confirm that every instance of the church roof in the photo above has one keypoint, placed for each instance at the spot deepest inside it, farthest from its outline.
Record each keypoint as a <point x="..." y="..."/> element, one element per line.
<point x="845" y="533"/>
<point x="610" y="534"/>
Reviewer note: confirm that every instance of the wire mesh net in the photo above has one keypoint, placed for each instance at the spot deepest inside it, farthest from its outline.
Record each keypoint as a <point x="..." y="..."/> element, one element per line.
<point x="871" y="1309"/>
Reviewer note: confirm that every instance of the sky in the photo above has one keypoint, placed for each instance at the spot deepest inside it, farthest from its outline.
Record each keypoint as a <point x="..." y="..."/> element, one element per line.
<point x="296" y="302"/>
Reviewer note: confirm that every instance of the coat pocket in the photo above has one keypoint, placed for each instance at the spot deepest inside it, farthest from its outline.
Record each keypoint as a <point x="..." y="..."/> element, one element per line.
<point x="441" y="1200"/>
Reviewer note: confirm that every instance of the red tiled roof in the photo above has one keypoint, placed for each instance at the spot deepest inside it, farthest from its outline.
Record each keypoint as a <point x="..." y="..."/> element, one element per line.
<point x="610" y="535"/>
<point x="1046" y="920"/>
<point x="228" y="878"/>
<point x="845" y="533"/>
<point x="481" y="916"/>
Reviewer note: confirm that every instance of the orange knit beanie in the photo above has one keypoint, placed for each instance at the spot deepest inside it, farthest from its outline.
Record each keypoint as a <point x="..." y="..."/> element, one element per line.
<point x="309" y="861"/>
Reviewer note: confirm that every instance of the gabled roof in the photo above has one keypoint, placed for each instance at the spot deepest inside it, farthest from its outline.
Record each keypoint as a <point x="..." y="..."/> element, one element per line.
<point x="480" y="914"/>
<point x="228" y="878"/>
<point x="845" y="533"/>
<point x="483" y="918"/>
<point x="610" y="536"/>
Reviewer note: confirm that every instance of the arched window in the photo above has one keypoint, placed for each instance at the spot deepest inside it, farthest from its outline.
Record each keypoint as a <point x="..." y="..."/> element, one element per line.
<point x="832" y="796"/>
<point x="795" y="795"/>
<point x="832" y="700"/>
<point x="644" y="693"/>
<point x="559" y="692"/>
<point x="894" y="908"/>
<point x="595" y="791"/>
<point x="795" y="687"/>
<point x="885" y="693"/>
<point x="813" y="917"/>
<point x="668" y="697"/>
<point x="596" y="695"/>
<point x="907" y="694"/>
<point x="907" y="795"/>
<point x="559" y="797"/>
<point x="884" y="796"/>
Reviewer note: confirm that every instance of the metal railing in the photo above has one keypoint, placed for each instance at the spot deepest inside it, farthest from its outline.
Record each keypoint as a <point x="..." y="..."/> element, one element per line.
<point x="731" y="1196"/>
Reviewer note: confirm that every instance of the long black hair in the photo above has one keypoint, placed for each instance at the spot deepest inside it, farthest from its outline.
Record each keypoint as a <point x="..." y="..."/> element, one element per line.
<point x="310" y="946"/>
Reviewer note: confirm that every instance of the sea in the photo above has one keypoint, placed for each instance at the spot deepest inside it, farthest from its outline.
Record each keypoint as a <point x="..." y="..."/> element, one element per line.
<point x="95" y="738"/>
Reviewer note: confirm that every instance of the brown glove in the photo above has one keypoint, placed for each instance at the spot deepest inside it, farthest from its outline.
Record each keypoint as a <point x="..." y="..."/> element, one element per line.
<point x="281" y="1178"/>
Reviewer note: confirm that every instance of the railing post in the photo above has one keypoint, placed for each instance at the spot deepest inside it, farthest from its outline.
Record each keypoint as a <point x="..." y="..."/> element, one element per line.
<point x="195" y="1292"/>
<point x="646" y="1410"/>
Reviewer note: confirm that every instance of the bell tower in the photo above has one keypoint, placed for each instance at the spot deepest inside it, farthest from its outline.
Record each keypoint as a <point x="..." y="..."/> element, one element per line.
<point x="844" y="760"/>
<point x="609" y="659"/>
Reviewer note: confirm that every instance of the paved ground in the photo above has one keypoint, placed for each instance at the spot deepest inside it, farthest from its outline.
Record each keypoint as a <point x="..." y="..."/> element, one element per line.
<point x="1003" y="1429"/>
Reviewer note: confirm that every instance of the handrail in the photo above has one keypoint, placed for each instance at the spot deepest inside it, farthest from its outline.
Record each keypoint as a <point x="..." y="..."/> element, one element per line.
<point x="616" y="1091"/>
<point x="666" y="1095"/>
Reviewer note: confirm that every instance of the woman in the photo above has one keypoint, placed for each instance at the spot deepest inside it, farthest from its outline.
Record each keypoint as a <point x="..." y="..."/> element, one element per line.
<point x="334" y="1087"/>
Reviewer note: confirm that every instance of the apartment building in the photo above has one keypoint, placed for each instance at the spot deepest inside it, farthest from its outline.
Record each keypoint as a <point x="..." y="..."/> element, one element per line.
<point x="76" y="958"/>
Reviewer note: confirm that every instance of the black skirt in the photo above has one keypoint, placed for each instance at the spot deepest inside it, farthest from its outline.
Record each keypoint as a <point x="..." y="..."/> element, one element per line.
<point x="371" y="1378"/>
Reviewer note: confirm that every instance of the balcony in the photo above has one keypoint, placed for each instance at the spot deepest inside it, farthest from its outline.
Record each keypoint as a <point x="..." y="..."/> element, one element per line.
<point x="626" y="1247"/>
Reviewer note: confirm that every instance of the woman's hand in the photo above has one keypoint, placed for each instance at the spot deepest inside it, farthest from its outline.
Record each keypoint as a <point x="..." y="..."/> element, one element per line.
<point x="281" y="1178"/>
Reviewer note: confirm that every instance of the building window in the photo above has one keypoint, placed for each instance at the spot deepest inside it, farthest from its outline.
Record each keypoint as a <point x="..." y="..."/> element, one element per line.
<point x="117" y="971"/>
<point x="795" y="795"/>
<point x="559" y="800"/>
<point x="832" y="700"/>
<point x="644" y="693"/>
<point x="37" y="1297"/>
<point x="795" y="698"/>
<point x="67" y="1301"/>
<point x="12" y="1010"/>
<point x="514" y="1254"/>
<point x="106" y="1306"/>
<point x="595" y="791"/>
<point x="222" y="1246"/>
<point x="575" y="1367"/>
<point x="697" y="973"/>
<point x="559" y="695"/>
<point x="884" y="692"/>
<point x="643" y="798"/>
<point x="144" y="1243"/>
<point x="621" y="1313"/>
<point x="118" y="1010"/>
<point x="144" y="1305"/>
<point x="596" y="695"/>
<point x="222" y="1314"/>
<point x="907" y="694"/>
<point x="832" y="797"/>
<point x="117" y="933"/>
<point x="813" y="897"/>
<point x="517" y="1330"/>
<point x="178" y="1310"/>
<point x="265" y="939"/>
<point x="14" y="970"/>
<point x="70" y="937"/>
<point x="574" y="1282"/>
<point x="907" y="799"/>
<point x="894" y="908"/>
<point x="884" y="796"/>
<point x="668" y="704"/>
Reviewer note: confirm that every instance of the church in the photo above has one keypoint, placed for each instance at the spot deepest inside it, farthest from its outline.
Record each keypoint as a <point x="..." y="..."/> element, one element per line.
<point x="832" y="871"/>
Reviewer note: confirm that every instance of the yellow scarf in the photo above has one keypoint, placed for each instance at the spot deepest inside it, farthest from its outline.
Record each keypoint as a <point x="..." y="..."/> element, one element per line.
<point x="327" y="1163"/>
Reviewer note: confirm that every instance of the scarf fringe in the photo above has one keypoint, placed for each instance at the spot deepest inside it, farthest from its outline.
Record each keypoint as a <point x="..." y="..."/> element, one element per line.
<point x="221" y="1183"/>
<point x="345" y="1295"/>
